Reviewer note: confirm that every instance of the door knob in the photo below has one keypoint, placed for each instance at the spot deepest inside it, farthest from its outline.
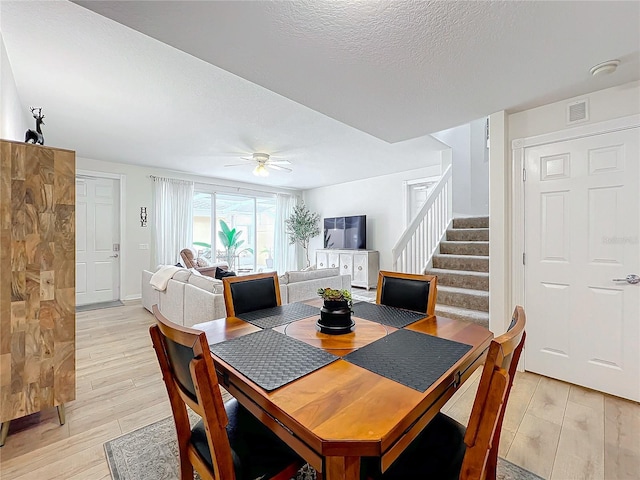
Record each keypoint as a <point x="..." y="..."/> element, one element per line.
<point x="632" y="278"/>
<point x="113" y="256"/>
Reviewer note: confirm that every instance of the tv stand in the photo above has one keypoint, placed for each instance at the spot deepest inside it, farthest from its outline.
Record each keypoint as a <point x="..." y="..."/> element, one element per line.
<point x="362" y="265"/>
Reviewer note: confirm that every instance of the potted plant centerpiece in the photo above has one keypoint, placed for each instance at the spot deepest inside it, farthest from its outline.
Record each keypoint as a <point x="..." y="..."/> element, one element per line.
<point x="335" y="315"/>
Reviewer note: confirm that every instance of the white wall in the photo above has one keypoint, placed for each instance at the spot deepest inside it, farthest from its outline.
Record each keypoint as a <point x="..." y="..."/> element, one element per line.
<point x="604" y="105"/>
<point x="479" y="164"/>
<point x="499" y="221"/>
<point x="379" y="198"/>
<point x="13" y="119"/>
<point x="470" y="167"/>
<point x="138" y="192"/>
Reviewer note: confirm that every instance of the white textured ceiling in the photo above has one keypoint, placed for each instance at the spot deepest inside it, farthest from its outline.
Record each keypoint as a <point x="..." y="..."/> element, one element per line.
<point x="342" y="89"/>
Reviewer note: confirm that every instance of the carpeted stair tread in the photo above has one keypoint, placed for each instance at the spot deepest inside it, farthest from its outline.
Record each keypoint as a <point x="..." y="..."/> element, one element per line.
<point x="457" y="313"/>
<point x="463" y="298"/>
<point x="471" y="222"/>
<point x="475" y="263"/>
<point x="464" y="248"/>
<point x="468" y="234"/>
<point x="461" y="278"/>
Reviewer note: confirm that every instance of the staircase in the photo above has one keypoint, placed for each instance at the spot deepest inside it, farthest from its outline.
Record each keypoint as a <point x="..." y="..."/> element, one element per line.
<point x="462" y="267"/>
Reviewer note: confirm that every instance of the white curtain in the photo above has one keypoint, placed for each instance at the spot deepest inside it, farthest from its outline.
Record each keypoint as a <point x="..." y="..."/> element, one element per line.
<point x="172" y="219"/>
<point x="284" y="256"/>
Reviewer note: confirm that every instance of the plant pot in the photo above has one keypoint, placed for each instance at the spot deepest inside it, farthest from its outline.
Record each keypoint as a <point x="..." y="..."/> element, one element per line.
<point x="335" y="317"/>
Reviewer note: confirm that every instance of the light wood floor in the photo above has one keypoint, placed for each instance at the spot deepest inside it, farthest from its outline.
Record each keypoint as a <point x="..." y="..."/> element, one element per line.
<point x="554" y="429"/>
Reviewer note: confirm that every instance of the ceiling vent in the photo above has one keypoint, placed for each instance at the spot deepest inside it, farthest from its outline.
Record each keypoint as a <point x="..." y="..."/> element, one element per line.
<point x="578" y="112"/>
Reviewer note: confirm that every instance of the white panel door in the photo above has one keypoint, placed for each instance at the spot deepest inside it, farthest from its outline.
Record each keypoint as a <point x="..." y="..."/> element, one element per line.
<point x="582" y="215"/>
<point x="97" y="237"/>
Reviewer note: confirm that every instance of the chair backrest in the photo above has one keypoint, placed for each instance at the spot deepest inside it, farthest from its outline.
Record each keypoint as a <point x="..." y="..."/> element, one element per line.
<point x="189" y="375"/>
<point x="251" y="292"/>
<point x="485" y="424"/>
<point x="406" y="290"/>
<point x="188" y="258"/>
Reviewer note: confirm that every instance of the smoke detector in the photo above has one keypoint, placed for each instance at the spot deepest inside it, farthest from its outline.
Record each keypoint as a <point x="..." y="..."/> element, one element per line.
<point x="605" y="67"/>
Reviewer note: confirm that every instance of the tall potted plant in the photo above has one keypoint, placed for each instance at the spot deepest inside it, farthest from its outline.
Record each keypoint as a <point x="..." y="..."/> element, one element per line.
<point x="230" y="239"/>
<point x="301" y="227"/>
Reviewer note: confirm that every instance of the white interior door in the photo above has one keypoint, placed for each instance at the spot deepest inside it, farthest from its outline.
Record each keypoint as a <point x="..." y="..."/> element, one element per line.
<point x="582" y="215"/>
<point x="97" y="240"/>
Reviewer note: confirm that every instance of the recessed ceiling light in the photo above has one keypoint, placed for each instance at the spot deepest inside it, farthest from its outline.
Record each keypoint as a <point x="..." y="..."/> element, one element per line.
<point x="605" y="67"/>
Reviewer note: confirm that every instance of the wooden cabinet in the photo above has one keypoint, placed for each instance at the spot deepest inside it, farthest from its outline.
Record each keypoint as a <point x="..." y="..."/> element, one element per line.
<point x="37" y="285"/>
<point x="362" y="265"/>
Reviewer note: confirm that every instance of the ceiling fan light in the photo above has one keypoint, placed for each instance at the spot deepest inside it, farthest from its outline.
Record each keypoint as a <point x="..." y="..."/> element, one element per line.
<point x="261" y="171"/>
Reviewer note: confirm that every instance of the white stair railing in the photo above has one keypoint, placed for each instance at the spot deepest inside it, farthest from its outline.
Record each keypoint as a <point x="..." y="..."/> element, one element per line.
<point x="416" y="246"/>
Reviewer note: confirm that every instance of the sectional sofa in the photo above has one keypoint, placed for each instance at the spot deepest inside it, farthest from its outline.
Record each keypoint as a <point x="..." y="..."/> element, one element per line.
<point x="191" y="298"/>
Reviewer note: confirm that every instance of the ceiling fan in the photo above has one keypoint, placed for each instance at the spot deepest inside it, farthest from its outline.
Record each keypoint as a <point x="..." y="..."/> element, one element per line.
<point x="263" y="162"/>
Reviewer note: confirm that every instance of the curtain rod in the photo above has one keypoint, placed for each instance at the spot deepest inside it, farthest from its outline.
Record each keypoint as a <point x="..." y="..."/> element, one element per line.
<point x="237" y="189"/>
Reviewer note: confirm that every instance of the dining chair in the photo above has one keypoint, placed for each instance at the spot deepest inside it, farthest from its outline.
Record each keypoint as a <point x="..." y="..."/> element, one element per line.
<point x="228" y="442"/>
<point x="247" y="293"/>
<point x="445" y="449"/>
<point x="407" y="290"/>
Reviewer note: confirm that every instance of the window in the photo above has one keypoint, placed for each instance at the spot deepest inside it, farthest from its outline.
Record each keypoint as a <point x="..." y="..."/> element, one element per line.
<point x="252" y="217"/>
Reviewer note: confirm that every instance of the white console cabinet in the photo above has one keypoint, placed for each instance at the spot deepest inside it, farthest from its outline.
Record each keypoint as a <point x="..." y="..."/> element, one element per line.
<point x="362" y="265"/>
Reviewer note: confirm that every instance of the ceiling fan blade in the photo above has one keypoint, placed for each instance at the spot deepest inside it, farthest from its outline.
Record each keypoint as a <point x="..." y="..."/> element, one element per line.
<point x="278" y="162"/>
<point x="237" y="165"/>
<point x="278" y="167"/>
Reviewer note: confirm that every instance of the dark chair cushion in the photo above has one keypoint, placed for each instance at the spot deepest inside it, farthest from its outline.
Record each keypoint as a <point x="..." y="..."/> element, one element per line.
<point x="256" y="450"/>
<point x="221" y="273"/>
<point x="180" y="357"/>
<point x="253" y="295"/>
<point x="405" y="293"/>
<point x="437" y="453"/>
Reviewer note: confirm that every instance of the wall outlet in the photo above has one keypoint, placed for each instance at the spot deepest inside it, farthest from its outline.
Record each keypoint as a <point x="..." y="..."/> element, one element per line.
<point x="143" y="246"/>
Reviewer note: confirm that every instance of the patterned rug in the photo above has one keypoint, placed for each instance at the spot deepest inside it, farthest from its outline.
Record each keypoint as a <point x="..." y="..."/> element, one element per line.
<point x="151" y="453"/>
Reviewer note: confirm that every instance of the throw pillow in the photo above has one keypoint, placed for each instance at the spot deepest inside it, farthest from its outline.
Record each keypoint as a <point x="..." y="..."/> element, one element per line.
<point x="223" y="273"/>
<point x="202" y="262"/>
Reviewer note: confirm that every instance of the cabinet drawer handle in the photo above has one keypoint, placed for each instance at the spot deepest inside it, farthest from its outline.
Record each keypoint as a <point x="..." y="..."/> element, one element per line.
<point x="321" y="264"/>
<point x="345" y="266"/>
<point x="359" y="268"/>
<point x="333" y="265"/>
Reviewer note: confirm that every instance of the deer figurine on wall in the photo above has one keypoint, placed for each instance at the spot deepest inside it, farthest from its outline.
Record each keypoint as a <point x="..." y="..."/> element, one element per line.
<point x="35" y="136"/>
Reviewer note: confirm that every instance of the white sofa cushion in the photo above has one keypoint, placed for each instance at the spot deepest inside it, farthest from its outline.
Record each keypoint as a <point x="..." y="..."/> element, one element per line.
<point x="300" y="291"/>
<point x="172" y="301"/>
<point x="313" y="274"/>
<point x="201" y="306"/>
<point x="208" y="284"/>
<point x="150" y="296"/>
<point x="182" y="275"/>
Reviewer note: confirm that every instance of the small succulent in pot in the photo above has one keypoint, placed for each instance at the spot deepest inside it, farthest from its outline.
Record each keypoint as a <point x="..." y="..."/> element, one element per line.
<point x="334" y="295"/>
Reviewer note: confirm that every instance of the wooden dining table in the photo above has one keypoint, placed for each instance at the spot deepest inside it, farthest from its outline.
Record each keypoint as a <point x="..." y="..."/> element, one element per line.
<point x="341" y="412"/>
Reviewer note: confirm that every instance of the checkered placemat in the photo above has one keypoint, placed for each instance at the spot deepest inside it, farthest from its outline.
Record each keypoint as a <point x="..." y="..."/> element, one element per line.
<point x="390" y="316"/>
<point x="275" y="316"/>
<point x="414" y="359"/>
<point x="271" y="359"/>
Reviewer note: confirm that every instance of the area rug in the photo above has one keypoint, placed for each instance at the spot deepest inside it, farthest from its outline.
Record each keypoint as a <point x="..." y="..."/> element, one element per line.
<point x="151" y="453"/>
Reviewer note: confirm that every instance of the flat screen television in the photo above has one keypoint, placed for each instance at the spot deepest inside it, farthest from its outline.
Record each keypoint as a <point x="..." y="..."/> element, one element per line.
<point x="346" y="232"/>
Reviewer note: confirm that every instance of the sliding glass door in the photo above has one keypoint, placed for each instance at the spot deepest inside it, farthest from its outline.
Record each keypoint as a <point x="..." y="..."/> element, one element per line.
<point x="238" y="229"/>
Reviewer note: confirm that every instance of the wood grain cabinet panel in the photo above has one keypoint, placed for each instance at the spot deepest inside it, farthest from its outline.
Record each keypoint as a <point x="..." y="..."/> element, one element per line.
<point x="37" y="278"/>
